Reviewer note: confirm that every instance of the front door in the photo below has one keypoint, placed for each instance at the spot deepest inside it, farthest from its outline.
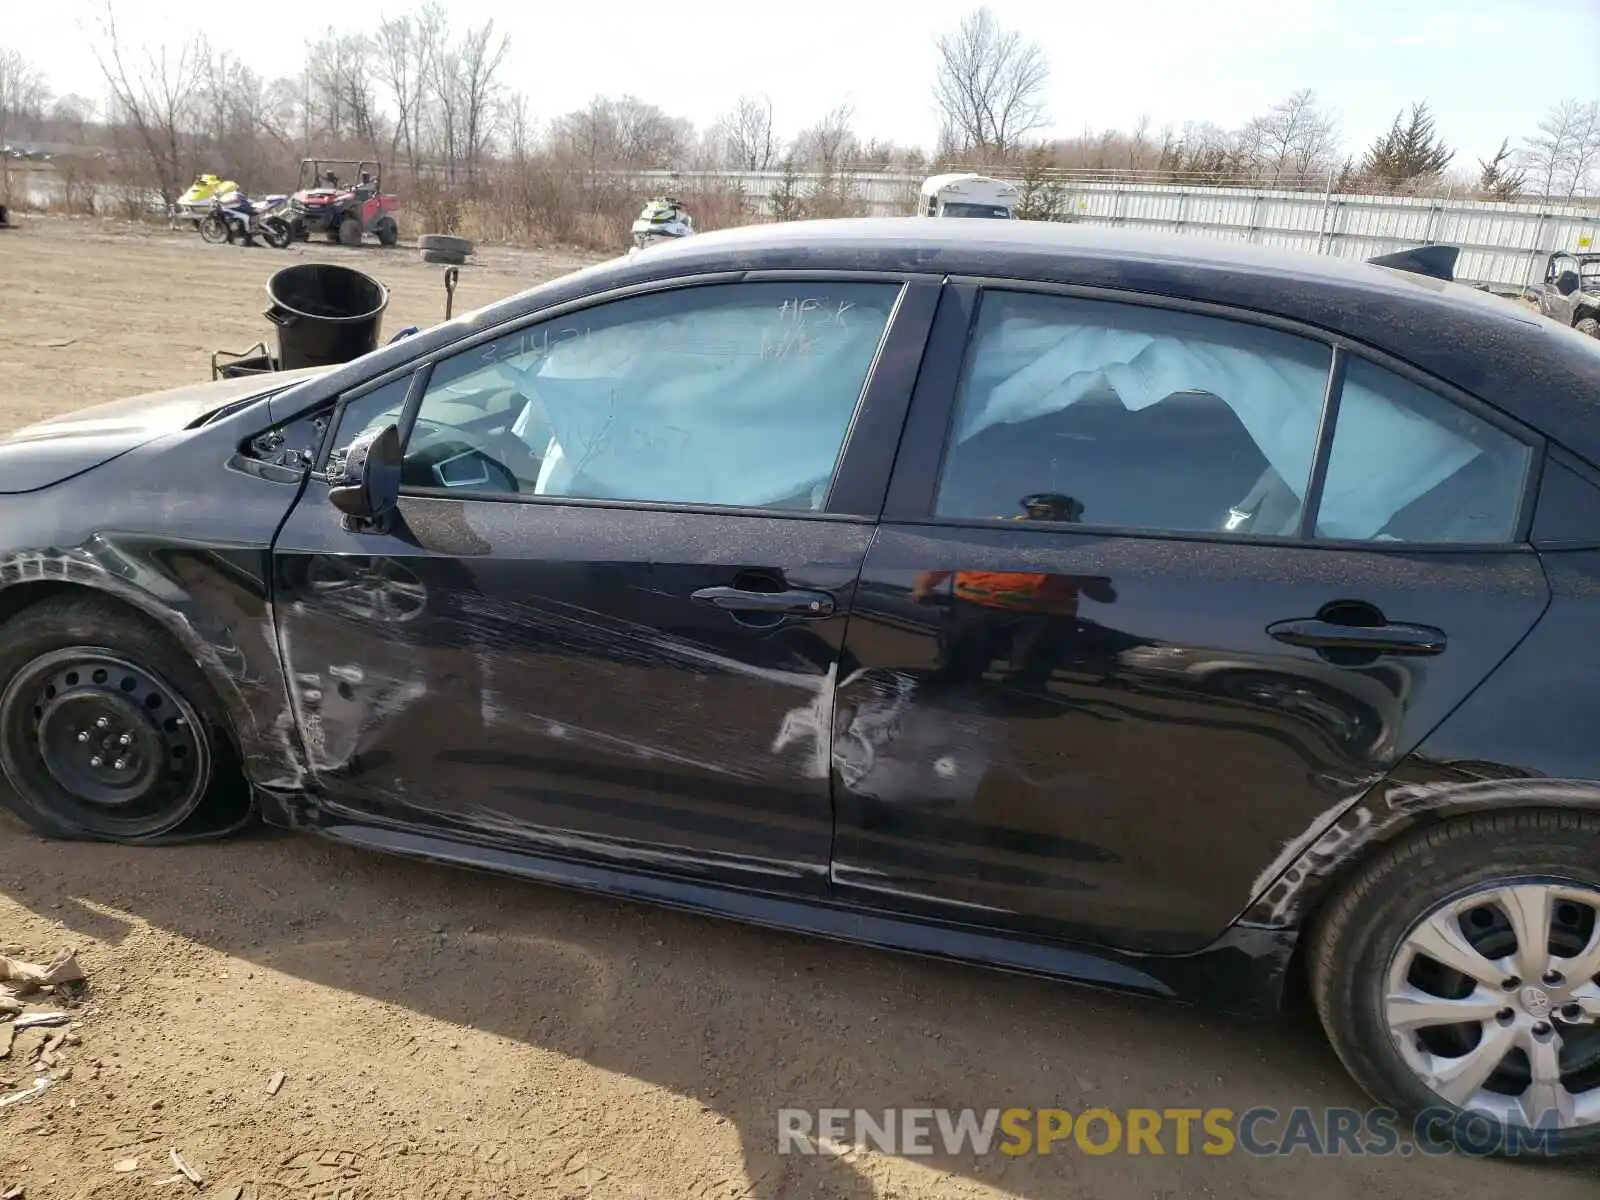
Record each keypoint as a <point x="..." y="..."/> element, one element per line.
<point x="609" y="617"/>
<point x="1103" y="673"/>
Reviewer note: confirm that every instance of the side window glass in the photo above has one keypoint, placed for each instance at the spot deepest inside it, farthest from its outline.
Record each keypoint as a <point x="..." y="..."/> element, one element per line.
<point x="381" y="406"/>
<point x="737" y="394"/>
<point x="1121" y="415"/>
<point x="1410" y="466"/>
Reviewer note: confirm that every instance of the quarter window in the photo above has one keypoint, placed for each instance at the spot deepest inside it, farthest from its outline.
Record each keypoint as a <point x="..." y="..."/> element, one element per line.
<point x="1114" y="414"/>
<point x="379" y="407"/>
<point x="1410" y="466"/>
<point x="729" y="394"/>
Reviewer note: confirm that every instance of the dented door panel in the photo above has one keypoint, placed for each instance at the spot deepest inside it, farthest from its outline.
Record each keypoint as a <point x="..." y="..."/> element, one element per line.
<point x="1135" y="773"/>
<point x="541" y="674"/>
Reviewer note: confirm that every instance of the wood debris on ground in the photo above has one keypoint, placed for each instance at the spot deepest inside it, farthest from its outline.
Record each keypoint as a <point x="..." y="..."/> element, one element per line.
<point x="24" y="1022"/>
<point x="25" y="977"/>
<point x="189" y="1172"/>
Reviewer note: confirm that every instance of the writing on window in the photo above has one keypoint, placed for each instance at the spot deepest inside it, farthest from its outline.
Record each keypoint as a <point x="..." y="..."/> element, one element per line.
<point x="726" y="394"/>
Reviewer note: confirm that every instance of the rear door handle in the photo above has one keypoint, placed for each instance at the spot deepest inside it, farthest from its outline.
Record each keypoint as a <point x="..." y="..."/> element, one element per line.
<point x="1391" y="638"/>
<point x="795" y="603"/>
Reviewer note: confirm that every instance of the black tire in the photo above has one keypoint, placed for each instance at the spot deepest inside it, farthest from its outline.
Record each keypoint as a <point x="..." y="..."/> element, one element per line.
<point x="1356" y="943"/>
<point x="214" y="229"/>
<point x="276" y="233"/>
<point x="387" y="232"/>
<point x="350" y="232"/>
<point x="445" y="242"/>
<point x="70" y="662"/>
<point x="1590" y="326"/>
<point x="444" y="256"/>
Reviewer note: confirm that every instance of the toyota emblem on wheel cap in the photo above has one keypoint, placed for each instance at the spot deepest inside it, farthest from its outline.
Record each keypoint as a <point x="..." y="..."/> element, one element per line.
<point x="1536" y="1001"/>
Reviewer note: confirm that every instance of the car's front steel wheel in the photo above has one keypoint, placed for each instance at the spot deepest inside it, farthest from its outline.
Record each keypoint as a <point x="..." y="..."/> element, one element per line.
<point x="105" y="729"/>
<point x="1459" y="974"/>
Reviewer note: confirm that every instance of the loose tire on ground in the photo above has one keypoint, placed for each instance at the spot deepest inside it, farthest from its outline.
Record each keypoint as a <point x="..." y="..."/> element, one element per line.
<point x="350" y="232"/>
<point x="160" y="759"/>
<point x="387" y="232"/>
<point x="444" y="256"/>
<point x="1366" y="967"/>
<point x="1589" y="325"/>
<point x="445" y="242"/>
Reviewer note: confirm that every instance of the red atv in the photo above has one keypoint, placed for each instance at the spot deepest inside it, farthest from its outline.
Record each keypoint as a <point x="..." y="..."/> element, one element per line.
<point x="343" y="199"/>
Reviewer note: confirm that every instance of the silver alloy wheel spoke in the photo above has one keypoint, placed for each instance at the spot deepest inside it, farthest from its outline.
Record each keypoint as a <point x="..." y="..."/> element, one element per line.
<point x="1440" y="938"/>
<point x="1523" y="1005"/>
<point x="1458" y="1080"/>
<point x="1529" y="909"/>
<point x="1547" y="1101"/>
<point x="1412" y="1008"/>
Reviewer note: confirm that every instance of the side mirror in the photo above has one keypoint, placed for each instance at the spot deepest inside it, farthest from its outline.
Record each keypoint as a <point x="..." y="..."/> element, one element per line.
<point x="1567" y="282"/>
<point x="367" y="491"/>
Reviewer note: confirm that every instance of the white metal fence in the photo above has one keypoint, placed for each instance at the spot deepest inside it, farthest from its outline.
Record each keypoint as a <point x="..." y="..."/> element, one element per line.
<point x="1502" y="244"/>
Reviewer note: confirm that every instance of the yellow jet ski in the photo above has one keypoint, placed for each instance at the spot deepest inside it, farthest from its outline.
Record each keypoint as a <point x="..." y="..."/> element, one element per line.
<point x="196" y="202"/>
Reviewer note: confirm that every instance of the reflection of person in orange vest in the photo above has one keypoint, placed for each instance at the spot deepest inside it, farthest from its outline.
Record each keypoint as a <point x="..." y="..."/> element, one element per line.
<point x="1028" y="617"/>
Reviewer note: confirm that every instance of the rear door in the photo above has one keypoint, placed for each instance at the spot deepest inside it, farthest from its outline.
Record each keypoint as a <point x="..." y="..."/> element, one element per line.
<point x="607" y="621"/>
<point x="1104" y="671"/>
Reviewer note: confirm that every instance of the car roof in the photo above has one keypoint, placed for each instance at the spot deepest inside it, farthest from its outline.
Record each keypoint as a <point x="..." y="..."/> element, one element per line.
<point x="956" y="238"/>
<point x="1497" y="349"/>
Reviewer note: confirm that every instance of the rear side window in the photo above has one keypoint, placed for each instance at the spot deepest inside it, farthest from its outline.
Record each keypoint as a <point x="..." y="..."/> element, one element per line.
<point x="1122" y="415"/>
<point x="1409" y="465"/>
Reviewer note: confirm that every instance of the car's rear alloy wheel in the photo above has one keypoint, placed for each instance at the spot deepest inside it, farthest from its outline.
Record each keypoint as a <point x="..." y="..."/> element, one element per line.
<point x="1459" y="974"/>
<point x="100" y="733"/>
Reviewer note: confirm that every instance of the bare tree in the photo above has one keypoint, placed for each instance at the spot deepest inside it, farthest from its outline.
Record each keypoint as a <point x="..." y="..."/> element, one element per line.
<point x="155" y="100"/>
<point x="401" y="50"/>
<point x="1562" y="156"/>
<point x="22" y="92"/>
<point x="746" y="135"/>
<point x="1293" y="138"/>
<point x="339" y="89"/>
<point x="477" y="76"/>
<point x="830" y="144"/>
<point x="989" y="86"/>
<point x="645" y="136"/>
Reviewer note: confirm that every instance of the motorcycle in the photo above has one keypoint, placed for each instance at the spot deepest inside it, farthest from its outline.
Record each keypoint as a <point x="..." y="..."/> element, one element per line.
<point x="235" y="216"/>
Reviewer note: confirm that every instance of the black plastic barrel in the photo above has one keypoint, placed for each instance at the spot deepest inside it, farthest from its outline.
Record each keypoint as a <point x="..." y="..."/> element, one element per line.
<point x="325" y="314"/>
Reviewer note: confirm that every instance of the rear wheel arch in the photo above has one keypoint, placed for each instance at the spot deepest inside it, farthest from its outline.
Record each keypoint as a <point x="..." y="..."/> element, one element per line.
<point x="1390" y="814"/>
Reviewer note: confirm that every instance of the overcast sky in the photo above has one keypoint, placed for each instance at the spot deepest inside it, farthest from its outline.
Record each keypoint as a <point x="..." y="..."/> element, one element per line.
<point x="1489" y="67"/>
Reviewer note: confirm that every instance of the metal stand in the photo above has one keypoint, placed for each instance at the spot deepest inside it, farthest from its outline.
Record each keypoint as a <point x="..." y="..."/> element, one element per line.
<point x="255" y="361"/>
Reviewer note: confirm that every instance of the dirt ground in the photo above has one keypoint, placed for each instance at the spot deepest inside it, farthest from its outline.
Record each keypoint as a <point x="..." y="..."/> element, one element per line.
<point x="446" y="1034"/>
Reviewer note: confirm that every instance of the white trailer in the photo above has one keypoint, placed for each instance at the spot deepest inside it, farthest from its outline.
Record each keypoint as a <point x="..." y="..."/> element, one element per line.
<point x="968" y="196"/>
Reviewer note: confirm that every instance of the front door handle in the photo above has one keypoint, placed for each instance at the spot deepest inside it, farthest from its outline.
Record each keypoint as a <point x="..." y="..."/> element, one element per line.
<point x="1389" y="638"/>
<point x="793" y="603"/>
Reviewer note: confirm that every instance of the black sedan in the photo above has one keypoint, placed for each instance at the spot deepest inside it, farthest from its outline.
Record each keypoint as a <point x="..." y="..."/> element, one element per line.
<point x="1150" y="613"/>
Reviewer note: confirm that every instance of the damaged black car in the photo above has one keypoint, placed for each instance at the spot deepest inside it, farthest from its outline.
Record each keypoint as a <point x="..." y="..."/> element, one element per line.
<point x="1161" y="615"/>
